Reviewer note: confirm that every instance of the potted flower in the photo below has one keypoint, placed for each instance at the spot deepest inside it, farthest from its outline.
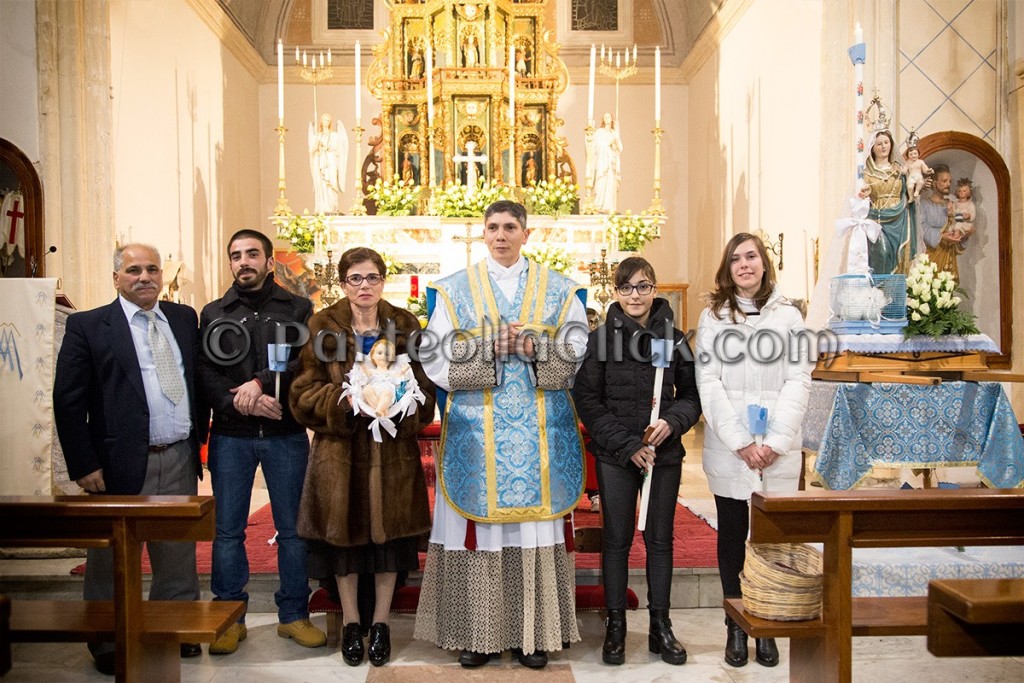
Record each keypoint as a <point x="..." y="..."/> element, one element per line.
<point x="933" y="304"/>
<point x="303" y="232"/>
<point x="394" y="197"/>
<point x="552" y="197"/>
<point x="552" y="257"/>
<point x="632" y="232"/>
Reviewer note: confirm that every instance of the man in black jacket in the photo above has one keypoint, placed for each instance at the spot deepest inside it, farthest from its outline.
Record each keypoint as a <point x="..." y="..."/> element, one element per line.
<point x="127" y="416"/>
<point x="252" y="426"/>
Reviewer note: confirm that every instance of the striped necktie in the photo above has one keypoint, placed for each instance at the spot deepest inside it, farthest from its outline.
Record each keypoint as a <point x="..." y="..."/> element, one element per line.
<point x="163" y="358"/>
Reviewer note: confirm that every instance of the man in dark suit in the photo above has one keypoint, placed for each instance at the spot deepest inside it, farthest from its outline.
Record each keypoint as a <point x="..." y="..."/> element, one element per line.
<point x="127" y="417"/>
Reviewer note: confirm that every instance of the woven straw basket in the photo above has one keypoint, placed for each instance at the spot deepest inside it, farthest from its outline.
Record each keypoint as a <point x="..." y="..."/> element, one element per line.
<point x="782" y="581"/>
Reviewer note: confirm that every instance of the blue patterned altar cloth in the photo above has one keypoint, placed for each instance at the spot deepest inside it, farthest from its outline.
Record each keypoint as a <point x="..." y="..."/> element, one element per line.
<point x="896" y="343"/>
<point x="856" y="426"/>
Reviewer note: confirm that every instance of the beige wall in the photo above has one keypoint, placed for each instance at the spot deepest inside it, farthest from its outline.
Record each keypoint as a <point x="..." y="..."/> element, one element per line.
<point x="186" y="131"/>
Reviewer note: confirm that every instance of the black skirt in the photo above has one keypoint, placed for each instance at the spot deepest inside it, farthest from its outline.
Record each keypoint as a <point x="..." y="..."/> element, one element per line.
<point x="325" y="560"/>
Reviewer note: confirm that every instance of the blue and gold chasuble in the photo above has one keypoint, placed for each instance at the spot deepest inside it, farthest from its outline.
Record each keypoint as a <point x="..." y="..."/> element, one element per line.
<point x="512" y="453"/>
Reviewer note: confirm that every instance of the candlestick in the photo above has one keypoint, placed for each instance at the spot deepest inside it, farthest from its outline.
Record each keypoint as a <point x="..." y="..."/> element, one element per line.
<point x="328" y="56"/>
<point x="298" y="57"/>
<point x="634" y="53"/>
<point x="590" y="91"/>
<point x="430" y="85"/>
<point x="656" y="208"/>
<point x="657" y="86"/>
<point x="282" y="209"/>
<point x="359" y="79"/>
<point x="280" y="81"/>
<point x="512" y="115"/>
<point x="587" y="203"/>
<point x="358" y="208"/>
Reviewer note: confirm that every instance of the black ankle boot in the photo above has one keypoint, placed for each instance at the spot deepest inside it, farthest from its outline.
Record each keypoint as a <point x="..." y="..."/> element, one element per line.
<point x="614" y="650"/>
<point x="378" y="649"/>
<point x="735" y="644"/>
<point x="352" y="644"/>
<point x="766" y="653"/>
<point x="661" y="640"/>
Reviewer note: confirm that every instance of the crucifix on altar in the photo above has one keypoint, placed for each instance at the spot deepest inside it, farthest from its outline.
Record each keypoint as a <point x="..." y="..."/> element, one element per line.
<point x="470" y="160"/>
<point x="469" y="238"/>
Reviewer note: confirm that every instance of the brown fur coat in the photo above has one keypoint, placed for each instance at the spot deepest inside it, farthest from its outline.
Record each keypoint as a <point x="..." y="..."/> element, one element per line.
<point x="357" y="491"/>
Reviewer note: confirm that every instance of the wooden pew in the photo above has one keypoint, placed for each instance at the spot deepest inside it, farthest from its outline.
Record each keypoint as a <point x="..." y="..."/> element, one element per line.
<point x="821" y="649"/>
<point x="976" y="617"/>
<point x="146" y="633"/>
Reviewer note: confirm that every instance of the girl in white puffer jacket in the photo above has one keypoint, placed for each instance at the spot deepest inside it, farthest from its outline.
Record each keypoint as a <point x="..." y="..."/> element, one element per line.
<point x="751" y="350"/>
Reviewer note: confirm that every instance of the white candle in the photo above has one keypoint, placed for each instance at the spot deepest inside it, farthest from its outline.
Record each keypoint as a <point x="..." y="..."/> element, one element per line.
<point x="328" y="55"/>
<point x="617" y="56"/>
<point x="280" y="81"/>
<point x="512" y="87"/>
<point x="657" y="84"/>
<point x="297" y="57"/>
<point x="602" y="52"/>
<point x="858" y="35"/>
<point x="634" y="53"/>
<point x="303" y="58"/>
<point x="430" y="85"/>
<point x="359" y="81"/>
<point x="590" y="91"/>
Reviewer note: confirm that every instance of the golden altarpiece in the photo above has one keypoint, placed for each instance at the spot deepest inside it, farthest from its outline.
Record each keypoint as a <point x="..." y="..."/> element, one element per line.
<point x="474" y="48"/>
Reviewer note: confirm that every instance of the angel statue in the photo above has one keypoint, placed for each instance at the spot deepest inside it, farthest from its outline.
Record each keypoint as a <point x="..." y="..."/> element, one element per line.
<point x="383" y="387"/>
<point x="328" y="153"/>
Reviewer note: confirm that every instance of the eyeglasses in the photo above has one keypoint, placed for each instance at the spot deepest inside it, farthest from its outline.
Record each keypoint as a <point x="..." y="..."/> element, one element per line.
<point x="372" y="278"/>
<point x="642" y="288"/>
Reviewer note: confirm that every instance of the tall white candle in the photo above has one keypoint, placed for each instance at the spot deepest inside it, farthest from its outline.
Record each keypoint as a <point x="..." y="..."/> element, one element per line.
<point x="590" y="91"/>
<point x="328" y="55"/>
<point x="858" y="35"/>
<point x="657" y="84"/>
<point x="617" y="56"/>
<point x="430" y="85"/>
<point x="512" y="160"/>
<point x="303" y="58"/>
<point x="280" y="81"/>
<point x="359" y="83"/>
<point x="634" y="53"/>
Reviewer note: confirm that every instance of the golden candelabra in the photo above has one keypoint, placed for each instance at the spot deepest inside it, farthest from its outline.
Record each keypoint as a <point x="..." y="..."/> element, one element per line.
<point x="282" y="208"/>
<point x="614" y="66"/>
<point x="601" y="278"/>
<point x="326" y="276"/>
<point x="656" y="208"/>
<point x="358" y="208"/>
<point x="587" y="202"/>
<point x="315" y="71"/>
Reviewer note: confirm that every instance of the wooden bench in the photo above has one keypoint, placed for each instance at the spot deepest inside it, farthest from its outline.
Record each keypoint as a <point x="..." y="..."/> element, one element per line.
<point x="146" y="633"/>
<point x="976" y="617"/>
<point x="821" y="649"/>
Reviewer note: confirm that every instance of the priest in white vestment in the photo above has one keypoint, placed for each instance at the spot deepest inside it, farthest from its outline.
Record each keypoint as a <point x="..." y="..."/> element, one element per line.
<point x="499" y="575"/>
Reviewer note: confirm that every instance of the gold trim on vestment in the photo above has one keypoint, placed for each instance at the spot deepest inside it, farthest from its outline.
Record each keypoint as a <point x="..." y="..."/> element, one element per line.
<point x="545" y="463"/>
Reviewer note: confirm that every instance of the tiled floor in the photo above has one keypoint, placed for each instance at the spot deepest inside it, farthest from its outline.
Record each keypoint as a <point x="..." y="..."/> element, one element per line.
<point x="266" y="657"/>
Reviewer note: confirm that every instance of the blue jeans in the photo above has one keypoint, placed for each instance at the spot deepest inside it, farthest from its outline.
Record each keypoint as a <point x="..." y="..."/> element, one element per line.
<point x="232" y="463"/>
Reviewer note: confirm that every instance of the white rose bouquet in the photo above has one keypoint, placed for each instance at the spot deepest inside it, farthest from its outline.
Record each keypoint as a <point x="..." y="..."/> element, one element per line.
<point x="552" y="197"/>
<point x="302" y="231"/>
<point x="454" y="201"/>
<point x="394" y="197"/>
<point x="933" y="302"/>
<point x="633" y="232"/>
<point x="552" y="257"/>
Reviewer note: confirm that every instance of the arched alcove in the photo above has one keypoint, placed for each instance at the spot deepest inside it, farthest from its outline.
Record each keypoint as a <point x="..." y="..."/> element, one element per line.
<point x="17" y="173"/>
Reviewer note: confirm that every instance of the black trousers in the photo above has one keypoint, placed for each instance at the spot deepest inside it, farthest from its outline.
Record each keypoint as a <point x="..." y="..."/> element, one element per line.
<point x="733" y="525"/>
<point x="619" y="488"/>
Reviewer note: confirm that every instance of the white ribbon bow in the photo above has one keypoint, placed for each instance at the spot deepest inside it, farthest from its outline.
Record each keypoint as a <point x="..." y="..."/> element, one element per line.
<point x="861" y="229"/>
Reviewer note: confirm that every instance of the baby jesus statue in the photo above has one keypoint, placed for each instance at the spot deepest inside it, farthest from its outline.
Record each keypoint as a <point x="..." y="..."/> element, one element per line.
<point x="915" y="170"/>
<point x="383" y="387"/>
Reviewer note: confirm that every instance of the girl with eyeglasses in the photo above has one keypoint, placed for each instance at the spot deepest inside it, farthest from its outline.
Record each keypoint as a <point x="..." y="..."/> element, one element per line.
<point x="364" y="504"/>
<point x="613" y="392"/>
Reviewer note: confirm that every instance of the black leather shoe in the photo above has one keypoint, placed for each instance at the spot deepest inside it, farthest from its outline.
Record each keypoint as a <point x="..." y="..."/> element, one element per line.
<point x="104" y="663"/>
<point x="352" y="644"/>
<point x="472" y="660"/>
<point x="614" y="649"/>
<point x="662" y="641"/>
<point x="766" y="653"/>
<point x="534" y="660"/>
<point x="378" y="649"/>
<point x="736" y="644"/>
<point x="191" y="650"/>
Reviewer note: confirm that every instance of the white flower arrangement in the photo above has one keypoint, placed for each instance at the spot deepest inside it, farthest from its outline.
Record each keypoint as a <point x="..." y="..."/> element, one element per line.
<point x="551" y="257"/>
<point x="454" y="201"/>
<point x="552" y="197"/>
<point x="633" y="232"/>
<point x="932" y="302"/>
<point x="302" y="231"/>
<point x="394" y="197"/>
<point x="392" y="266"/>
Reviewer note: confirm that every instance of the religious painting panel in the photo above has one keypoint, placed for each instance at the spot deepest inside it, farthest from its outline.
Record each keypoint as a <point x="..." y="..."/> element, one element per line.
<point x="675" y="294"/>
<point x="532" y="124"/>
<point x="524" y="31"/>
<point x="414" y="44"/>
<point x="472" y="135"/>
<point x="978" y="204"/>
<point x="408" y="143"/>
<point x="21" y="215"/>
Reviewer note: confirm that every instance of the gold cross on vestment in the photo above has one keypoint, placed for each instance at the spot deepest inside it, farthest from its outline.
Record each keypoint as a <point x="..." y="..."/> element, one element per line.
<point x="468" y="239"/>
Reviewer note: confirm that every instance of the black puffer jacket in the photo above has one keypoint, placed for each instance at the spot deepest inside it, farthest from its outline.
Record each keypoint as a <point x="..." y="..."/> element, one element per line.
<point x="613" y="391"/>
<point x="216" y="380"/>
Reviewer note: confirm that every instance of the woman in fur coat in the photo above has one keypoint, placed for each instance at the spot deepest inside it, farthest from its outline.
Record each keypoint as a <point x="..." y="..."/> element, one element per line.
<point x="364" y="503"/>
